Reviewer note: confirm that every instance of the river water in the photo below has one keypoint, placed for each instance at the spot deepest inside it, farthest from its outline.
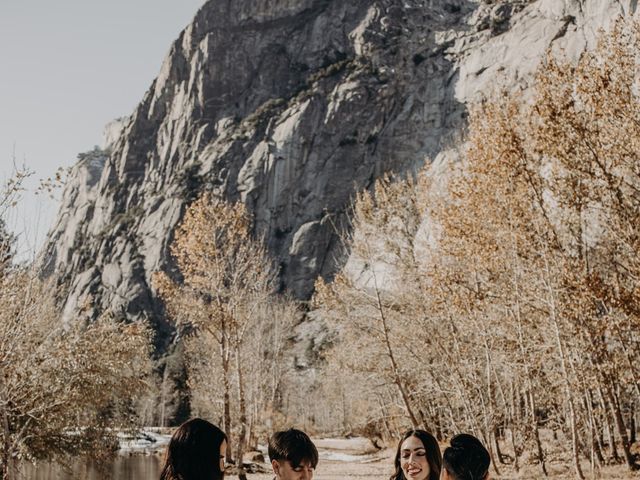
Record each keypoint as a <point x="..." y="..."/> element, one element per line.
<point x="340" y="459"/>
<point x="124" y="467"/>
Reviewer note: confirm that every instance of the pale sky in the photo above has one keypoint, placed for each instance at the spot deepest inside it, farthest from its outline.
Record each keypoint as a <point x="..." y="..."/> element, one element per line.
<point x="67" y="68"/>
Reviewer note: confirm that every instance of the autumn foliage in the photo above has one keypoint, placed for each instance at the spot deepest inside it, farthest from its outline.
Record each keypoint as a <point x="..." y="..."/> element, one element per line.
<point x="224" y="303"/>
<point x="503" y="297"/>
<point x="64" y="389"/>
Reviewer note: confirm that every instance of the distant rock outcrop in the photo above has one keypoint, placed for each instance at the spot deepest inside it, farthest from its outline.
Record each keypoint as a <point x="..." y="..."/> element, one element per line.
<point x="291" y="107"/>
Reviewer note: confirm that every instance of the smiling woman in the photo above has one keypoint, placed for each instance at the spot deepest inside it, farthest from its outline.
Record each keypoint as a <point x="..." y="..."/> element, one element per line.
<point x="418" y="457"/>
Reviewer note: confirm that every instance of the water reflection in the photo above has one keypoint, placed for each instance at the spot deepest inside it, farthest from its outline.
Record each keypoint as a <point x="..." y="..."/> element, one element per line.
<point x="130" y="467"/>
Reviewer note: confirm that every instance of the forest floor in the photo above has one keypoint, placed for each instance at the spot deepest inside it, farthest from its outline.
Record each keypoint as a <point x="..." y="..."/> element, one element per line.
<point x="356" y="459"/>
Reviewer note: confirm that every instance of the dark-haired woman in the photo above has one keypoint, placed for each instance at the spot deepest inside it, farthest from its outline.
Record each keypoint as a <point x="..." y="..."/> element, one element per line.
<point x="465" y="459"/>
<point x="196" y="452"/>
<point x="418" y="457"/>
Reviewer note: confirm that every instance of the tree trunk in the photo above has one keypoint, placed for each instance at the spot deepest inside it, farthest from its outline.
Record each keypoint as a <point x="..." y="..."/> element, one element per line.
<point x="345" y="423"/>
<point x="242" y="437"/>
<point x="252" y="441"/>
<point x="392" y="359"/>
<point x="632" y="424"/>
<point x="536" y="433"/>
<point x="516" y="454"/>
<point x="620" y="426"/>
<point x="487" y="437"/>
<point x="226" y="380"/>
<point x="611" y="438"/>
<point x="163" y="397"/>
<point x="6" y="459"/>
<point x="385" y="420"/>
<point x="529" y="398"/>
<point x="596" y="447"/>
<point x="592" y="455"/>
<point x="533" y="418"/>
<point x="565" y="377"/>
<point x="497" y="446"/>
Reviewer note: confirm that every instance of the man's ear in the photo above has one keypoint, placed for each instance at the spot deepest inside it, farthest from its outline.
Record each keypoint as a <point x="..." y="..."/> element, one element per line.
<point x="444" y="475"/>
<point x="275" y="466"/>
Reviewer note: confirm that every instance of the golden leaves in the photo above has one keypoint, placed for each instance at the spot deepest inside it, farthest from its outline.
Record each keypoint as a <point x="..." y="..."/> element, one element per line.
<point x="531" y="281"/>
<point x="57" y="380"/>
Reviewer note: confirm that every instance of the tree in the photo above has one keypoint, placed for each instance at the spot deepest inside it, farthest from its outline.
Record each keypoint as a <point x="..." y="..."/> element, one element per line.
<point x="62" y="387"/>
<point x="224" y="297"/>
<point x="520" y="310"/>
<point x="384" y="225"/>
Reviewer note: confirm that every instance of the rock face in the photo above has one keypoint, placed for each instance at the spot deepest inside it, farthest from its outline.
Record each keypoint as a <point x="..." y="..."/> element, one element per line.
<point x="291" y="106"/>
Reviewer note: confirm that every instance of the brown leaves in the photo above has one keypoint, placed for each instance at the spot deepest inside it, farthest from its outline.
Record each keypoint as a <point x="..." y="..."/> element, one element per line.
<point x="223" y="268"/>
<point x="529" y="287"/>
<point x="59" y="381"/>
<point x="223" y="298"/>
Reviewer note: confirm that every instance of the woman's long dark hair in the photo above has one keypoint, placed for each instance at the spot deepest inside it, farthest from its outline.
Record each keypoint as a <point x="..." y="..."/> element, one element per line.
<point x="434" y="457"/>
<point x="466" y="458"/>
<point x="194" y="452"/>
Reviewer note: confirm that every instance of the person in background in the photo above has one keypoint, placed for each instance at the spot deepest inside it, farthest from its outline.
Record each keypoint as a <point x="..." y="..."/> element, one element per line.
<point x="196" y="452"/>
<point x="465" y="459"/>
<point x="293" y="455"/>
<point x="418" y="457"/>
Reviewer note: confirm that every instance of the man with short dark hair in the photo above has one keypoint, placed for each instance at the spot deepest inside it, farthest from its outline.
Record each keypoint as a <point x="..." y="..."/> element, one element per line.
<point x="465" y="459"/>
<point x="293" y="455"/>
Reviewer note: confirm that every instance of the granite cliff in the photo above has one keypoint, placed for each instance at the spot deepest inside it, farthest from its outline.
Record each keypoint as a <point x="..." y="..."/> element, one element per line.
<point x="292" y="106"/>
